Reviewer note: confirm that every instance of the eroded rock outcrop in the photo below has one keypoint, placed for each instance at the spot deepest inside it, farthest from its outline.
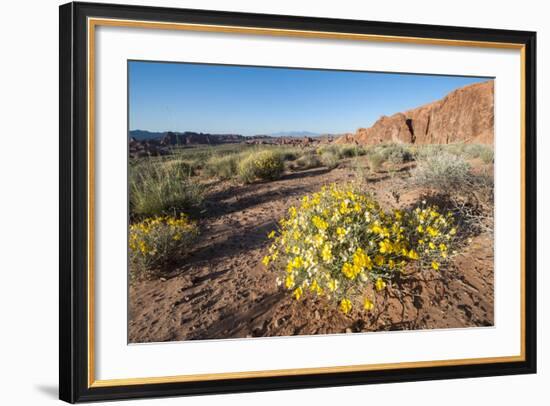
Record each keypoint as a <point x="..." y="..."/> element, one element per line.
<point x="464" y="115"/>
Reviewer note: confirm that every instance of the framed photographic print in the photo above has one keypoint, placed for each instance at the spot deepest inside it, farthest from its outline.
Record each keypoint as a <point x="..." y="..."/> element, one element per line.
<point x="255" y="202"/>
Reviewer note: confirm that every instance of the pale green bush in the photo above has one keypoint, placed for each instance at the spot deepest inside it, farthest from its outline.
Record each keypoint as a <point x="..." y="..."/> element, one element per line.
<point x="264" y="165"/>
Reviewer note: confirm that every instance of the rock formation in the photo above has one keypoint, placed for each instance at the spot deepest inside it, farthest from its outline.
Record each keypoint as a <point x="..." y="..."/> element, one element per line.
<point x="464" y="115"/>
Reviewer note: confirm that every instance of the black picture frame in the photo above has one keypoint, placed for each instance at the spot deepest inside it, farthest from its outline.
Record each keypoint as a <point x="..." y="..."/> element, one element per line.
<point x="74" y="385"/>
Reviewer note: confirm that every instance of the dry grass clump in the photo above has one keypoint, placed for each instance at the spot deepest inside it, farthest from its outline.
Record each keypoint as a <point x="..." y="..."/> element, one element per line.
<point x="375" y="161"/>
<point x="160" y="188"/>
<point x="222" y="167"/>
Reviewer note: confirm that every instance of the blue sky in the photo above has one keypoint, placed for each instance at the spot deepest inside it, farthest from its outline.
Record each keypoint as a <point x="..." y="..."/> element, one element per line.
<point x="257" y="100"/>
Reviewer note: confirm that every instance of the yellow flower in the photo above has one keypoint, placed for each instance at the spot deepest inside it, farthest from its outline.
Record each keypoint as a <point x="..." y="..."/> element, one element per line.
<point x="265" y="260"/>
<point x="380" y="284"/>
<point x="377" y="229"/>
<point x="344" y="207"/>
<point x="289" y="281"/>
<point x="271" y="234"/>
<point x="442" y="247"/>
<point x="332" y="285"/>
<point x="319" y="223"/>
<point x="432" y="231"/>
<point x="453" y="231"/>
<point x="316" y="288"/>
<point x="361" y="259"/>
<point x="350" y="271"/>
<point x="340" y="232"/>
<point x="298" y="292"/>
<point x="435" y="265"/>
<point x="326" y="253"/>
<point x="368" y="305"/>
<point x="345" y="306"/>
<point x="431" y="245"/>
<point x="386" y="247"/>
<point x="298" y="262"/>
<point x="413" y="254"/>
<point x="379" y="260"/>
<point x="420" y="229"/>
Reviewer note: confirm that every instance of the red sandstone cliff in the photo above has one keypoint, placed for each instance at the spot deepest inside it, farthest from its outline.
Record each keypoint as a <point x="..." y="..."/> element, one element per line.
<point x="464" y="115"/>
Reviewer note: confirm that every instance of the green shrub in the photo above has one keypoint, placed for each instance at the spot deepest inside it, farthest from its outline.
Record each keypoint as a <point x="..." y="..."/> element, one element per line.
<point x="156" y="241"/>
<point x="394" y="153"/>
<point x="443" y="171"/>
<point x="161" y="189"/>
<point x="487" y="156"/>
<point x="265" y="165"/>
<point x="330" y="159"/>
<point x="342" y="151"/>
<point x="350" y="151"/>
<point x="427" y="151"/>
<point x="483" y="152"/>
<point x="375" y="160"/>
<point x="307" y="161"/>
<point x="289" y="153"/>
<point x="223" y="167"/>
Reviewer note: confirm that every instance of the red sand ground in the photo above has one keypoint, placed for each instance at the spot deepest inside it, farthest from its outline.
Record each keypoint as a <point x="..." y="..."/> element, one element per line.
<point x="223" y="290"/>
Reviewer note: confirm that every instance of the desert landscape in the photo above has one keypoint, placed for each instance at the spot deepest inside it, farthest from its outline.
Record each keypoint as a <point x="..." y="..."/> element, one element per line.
<point x="387" y="228"/>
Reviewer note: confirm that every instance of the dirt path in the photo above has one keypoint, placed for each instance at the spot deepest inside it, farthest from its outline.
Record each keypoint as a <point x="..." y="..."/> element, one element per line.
<point x="224" y="291"/>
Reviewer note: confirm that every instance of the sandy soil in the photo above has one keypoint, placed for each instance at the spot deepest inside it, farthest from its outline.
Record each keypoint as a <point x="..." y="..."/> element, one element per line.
<point x="223" y="291"/>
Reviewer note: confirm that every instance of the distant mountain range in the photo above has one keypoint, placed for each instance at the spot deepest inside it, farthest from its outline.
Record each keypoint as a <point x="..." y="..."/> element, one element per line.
<point x="295" y="134"/>
<point x="184" y="138"/>
<point x="144" y="135"/>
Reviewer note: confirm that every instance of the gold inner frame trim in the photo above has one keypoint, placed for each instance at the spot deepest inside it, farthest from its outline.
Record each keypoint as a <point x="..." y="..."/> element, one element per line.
<point x="94" y="22"/>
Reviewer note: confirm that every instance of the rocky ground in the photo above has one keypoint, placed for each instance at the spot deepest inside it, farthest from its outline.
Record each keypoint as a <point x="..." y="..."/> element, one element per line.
<point x="223" y="291"/>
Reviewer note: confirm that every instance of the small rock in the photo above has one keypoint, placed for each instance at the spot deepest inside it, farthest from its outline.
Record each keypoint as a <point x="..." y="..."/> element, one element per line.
<point x="348" y="330"/>
<point x="317" y="315"/>
<point x="163" y="279"/>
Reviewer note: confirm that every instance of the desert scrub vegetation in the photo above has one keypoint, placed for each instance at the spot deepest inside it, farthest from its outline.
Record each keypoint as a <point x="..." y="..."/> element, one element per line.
<point x="162" y="188"/>
<point x="307" y="160"/>
<point x="222" y="167"/>
<point x="155" y="241"/>
<point x="342" y="151"/>
<point x="397" y="154"/>
<point x="483" y="152"/>
<point x="375" y="161"/>
<point x="470" y="194"/>
<point x="183" y="166"/>
<point x="442" y="171"/>
<point x="330" y="159"/>
<point x="264" y="165"/>
<point x="466" y="151"/>
<point x="339" y="243"/>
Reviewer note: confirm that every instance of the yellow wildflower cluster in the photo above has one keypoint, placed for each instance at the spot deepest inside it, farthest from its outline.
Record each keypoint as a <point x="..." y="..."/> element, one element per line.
<point x="339" y="241"/>
<point x="157" y="240"/>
